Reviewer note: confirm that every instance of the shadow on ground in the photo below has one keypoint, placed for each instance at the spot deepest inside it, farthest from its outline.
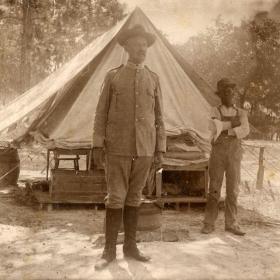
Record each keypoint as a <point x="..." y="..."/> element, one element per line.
<point x="59" y="244"/>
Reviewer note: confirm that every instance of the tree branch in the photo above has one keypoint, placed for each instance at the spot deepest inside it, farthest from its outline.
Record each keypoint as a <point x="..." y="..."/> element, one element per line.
<point x="44" y="17"/>
<point x="9" y="17"/>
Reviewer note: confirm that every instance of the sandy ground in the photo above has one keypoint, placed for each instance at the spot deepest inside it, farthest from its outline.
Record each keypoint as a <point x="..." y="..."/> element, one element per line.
<point x="66" y="242"/>
<point x="61" y="244"/>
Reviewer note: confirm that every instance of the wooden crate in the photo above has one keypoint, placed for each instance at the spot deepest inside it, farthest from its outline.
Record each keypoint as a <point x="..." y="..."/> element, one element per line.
<point x="77" y="186"/>
<point x="199" y="188"/>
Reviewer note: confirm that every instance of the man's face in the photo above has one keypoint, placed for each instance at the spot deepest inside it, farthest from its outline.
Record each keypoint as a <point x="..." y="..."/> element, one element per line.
<point x="228" y="96"/>
<point x="137" y="49"/>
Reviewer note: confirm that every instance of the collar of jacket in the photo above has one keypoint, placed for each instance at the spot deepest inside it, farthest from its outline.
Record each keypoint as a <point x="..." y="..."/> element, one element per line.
<point x="134" y="66"/>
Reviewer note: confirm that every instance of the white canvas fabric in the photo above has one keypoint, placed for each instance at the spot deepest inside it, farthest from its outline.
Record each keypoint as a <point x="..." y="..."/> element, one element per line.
<point x="186" y="108"/>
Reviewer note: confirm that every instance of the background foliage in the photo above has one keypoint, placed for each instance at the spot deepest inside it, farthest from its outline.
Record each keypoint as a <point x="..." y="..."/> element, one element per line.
<point x="249" y="55"/>
<point x="37" y="37"/>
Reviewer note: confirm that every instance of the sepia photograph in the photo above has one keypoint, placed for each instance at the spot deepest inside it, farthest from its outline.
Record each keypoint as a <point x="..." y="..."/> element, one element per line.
<point x="140" y="139"/>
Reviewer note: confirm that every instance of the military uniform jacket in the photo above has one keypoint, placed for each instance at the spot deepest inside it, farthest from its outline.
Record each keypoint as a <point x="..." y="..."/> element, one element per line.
<point x="129" y="115"/>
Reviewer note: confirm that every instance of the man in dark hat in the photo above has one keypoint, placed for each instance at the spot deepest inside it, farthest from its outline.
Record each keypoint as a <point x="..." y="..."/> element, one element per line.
<point x="230" y="126"/>
<point x="129" y="127"/>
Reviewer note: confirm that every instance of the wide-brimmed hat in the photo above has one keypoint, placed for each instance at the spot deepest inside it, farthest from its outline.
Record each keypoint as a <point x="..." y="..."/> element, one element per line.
<point x="223" y="84"/>
<point x="136" y="30"/>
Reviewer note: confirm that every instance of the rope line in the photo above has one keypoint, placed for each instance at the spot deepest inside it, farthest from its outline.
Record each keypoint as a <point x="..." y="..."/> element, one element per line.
<point x="252" y="175"/>
<point x="255" y="155"/>
<point x="269" y="160"/>
<point x="271" y="155"/>
<point x="273" y="167"/>
<point x="251" y="146"/>
<point x="248" y="169"/>
<point x="10" y="171"/>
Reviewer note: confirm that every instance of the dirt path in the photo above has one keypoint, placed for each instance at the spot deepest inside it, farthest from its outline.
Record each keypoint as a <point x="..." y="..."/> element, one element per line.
<point x="59" y="245"/>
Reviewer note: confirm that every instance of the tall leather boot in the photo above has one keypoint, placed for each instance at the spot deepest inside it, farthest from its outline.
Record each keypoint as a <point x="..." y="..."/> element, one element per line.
<point x="112" y="226"/>
<point x="130" y="219"/>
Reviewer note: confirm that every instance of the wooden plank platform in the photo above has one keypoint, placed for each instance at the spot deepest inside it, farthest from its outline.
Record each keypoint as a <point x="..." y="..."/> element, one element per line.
<point x="182" y="199"/>
<point x="198" y="167"/>
<point x="44" y="199"/>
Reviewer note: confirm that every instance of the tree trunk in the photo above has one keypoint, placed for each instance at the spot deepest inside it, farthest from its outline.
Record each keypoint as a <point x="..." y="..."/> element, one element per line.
<point x="25" y="64"/>
<point x="90" y="17"/>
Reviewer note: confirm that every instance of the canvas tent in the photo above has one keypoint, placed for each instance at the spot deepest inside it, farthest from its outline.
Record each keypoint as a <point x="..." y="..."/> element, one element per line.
<point x="59" y="111"/>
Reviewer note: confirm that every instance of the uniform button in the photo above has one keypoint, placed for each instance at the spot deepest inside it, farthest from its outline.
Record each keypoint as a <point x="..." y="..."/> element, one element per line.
<point x="136" y="92"/>
<point x="137" y="106"/>
<point x="136" y="120"/>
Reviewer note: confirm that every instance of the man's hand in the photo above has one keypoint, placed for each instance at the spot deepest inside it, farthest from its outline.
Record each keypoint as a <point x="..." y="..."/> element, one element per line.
<point x="158" y="160"/>
<point x="15" y="144"/>
<point x="235" y="123"/>
<point x="98" y="157"/>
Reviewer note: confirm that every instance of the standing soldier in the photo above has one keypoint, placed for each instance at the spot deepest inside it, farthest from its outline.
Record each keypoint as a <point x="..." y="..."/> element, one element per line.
<point x="231" y="125"/>
<point x="129" y="127"/>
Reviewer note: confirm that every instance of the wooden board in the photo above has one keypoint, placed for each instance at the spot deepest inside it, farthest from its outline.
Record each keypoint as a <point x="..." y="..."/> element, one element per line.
<point x="195" y="167"/>
<point x="44" y="198"/>
<point x="82" y="186"/>
<point x="182" y="199"/>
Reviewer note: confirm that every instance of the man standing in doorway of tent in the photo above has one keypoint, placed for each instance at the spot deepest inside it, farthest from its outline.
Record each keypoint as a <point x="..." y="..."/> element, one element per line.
<point x="129" y="127"/>
<point x="230" y="125"/>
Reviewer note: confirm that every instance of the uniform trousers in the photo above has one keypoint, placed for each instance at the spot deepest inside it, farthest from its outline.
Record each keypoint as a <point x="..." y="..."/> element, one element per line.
<point x="126" y="177"/>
